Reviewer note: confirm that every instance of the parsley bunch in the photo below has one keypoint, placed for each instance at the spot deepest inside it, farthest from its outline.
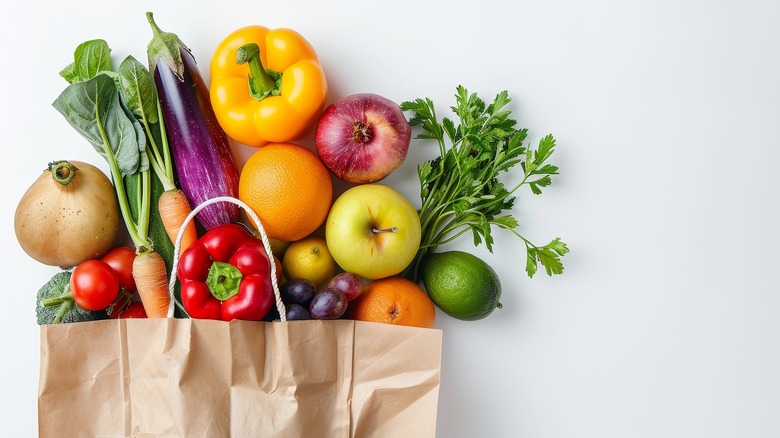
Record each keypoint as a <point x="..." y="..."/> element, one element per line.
<point x="461" y="190"/>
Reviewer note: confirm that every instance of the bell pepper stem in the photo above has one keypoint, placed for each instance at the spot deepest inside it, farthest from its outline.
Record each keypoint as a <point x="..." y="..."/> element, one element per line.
<point x="261" y="82"/>
<point x="223" y="280"/>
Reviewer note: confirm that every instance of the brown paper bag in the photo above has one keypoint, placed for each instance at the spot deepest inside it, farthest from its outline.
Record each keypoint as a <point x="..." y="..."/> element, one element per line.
<point x="202" y="378"/>
<point x="171" y="377"/>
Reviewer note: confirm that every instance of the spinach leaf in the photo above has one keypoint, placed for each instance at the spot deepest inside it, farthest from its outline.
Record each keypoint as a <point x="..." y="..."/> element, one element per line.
<point x="94" y="109"/>
<point x="90" y="58"/>
<point x="139" y="90"/>
<point x="143" y="164"/>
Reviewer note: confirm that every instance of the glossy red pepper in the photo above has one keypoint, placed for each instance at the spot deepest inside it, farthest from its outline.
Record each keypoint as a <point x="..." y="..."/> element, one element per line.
<point x="226" y="275"/>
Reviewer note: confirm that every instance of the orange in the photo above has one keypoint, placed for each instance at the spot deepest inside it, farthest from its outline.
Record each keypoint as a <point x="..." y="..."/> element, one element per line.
<point x="288" y="187"/>
<point x="394" y="300"/>
<point x="278" y="265"/>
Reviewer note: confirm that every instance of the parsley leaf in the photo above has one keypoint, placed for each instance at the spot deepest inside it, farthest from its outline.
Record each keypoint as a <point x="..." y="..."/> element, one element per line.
<point x="460" y="189"/>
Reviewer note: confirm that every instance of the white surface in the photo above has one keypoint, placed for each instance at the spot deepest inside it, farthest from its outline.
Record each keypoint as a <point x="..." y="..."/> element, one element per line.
<point x="666" y="114"/>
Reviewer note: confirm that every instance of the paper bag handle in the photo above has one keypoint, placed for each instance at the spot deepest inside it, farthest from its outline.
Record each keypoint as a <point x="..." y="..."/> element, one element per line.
<point x="263" y="237"/>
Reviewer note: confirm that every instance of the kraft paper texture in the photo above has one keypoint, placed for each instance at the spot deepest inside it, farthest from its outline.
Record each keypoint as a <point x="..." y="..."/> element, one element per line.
<point x="202" y="378"/>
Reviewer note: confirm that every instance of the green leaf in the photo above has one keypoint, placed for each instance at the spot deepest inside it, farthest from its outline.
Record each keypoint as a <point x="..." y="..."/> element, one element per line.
<point x="551" y="261"/>
<point x="94" y="110"/>
<point x="69" y="73"/>
<point x="461" y="189"/>
<point x="501" y="100"/>
<point x="550" y="256"/>
<point x="449" y="128"/>
<point x="89" y="59"/>
<point x="530" y="261"/>
<point x="538" y="184"/>
<point x="558" y="246"/>
<point x="423" y="172"/>
<point x="139" y="90"/>
<point x="545" y="149"/>
<point x="529" y="156"/>
<point x="547" y="169"/>
<point x="422" y="109"/>
<point x="508" y="222"/>
<point x="143" y="163"/>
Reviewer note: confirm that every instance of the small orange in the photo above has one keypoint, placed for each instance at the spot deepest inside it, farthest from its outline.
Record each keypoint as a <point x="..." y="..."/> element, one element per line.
<point x="288" y="187"/>
<point x="278" y="264"/>
<point x="394" y="300"/>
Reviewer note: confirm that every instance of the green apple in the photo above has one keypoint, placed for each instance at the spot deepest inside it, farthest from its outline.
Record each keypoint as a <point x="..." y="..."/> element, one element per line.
<point x="372" y="231"/>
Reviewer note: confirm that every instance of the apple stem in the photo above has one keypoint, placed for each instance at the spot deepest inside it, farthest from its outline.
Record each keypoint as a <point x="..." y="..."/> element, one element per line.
<point x="385" y="230"/>
<point x="261" y="82"/>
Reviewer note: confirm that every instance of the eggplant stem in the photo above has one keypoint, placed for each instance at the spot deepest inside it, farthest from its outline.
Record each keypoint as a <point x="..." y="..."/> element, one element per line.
<point x="155" y="29"/>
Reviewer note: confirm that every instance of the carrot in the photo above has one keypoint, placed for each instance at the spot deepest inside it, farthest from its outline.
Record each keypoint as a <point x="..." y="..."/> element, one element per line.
<point x="174" y="207"/>
<point x="151" y="281"/>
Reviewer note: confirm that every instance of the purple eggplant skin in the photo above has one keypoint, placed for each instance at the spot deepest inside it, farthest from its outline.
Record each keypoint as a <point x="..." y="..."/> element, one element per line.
<point x="201" y="152"/>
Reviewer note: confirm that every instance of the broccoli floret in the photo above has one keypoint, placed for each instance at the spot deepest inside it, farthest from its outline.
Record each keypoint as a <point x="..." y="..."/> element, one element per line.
<point x="54" y="303"/>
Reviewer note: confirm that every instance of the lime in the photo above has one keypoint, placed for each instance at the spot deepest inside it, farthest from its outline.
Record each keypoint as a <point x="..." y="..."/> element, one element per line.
<point x="461" y="284"/>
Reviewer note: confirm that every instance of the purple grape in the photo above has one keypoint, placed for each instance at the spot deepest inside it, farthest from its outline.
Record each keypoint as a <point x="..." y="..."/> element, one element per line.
<point x="297" y="312"/>
<point x="272" y="315"/>
<point x="328" y="303"/>
<point x="297" y="291"/>
<point x="351" y="285"/>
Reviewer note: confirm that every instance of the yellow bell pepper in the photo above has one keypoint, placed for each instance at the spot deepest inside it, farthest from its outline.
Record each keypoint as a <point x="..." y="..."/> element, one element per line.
<point x="267" y="85"/>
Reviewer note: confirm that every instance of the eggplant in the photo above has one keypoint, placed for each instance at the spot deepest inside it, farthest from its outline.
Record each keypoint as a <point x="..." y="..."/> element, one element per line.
<point x="201" y="152"/>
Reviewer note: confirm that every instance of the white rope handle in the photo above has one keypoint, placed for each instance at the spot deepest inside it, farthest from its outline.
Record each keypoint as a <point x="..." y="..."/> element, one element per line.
<point x="263" y="237"/>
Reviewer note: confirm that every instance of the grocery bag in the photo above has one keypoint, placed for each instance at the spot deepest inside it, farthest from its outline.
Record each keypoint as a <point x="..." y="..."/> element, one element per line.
<point x="201" y="378"/>
<point x="170" y="377"/>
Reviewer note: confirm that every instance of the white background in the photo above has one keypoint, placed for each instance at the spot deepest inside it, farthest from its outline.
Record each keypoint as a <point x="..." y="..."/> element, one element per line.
<point x="665" y="323"/>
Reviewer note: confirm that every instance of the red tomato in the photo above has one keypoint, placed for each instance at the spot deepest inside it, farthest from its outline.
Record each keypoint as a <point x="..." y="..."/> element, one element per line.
<point x="134" y="310"/>
<point x="121" y="259"/>
<point x="94" y="285"/>
<point x="122" y="302"/>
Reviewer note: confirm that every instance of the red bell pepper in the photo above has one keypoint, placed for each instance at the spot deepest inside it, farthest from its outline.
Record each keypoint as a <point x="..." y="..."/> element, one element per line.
<point x="226" y="275"/>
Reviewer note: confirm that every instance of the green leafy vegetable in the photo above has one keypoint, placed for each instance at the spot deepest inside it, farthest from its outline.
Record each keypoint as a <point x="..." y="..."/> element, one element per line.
<point x="460" y="189"/>
<point x="119" y="113"/>
<point x="139" y="91"/>
<point x="90" y="58"/>
<point x="93" y="107"/>
<point x="54" y="303"/>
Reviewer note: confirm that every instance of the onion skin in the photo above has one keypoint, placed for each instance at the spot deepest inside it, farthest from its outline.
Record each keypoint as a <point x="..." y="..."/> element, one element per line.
<point x="64" y="225"/>
<point x="362" y="138"/>
<point x="201" y="151"/>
